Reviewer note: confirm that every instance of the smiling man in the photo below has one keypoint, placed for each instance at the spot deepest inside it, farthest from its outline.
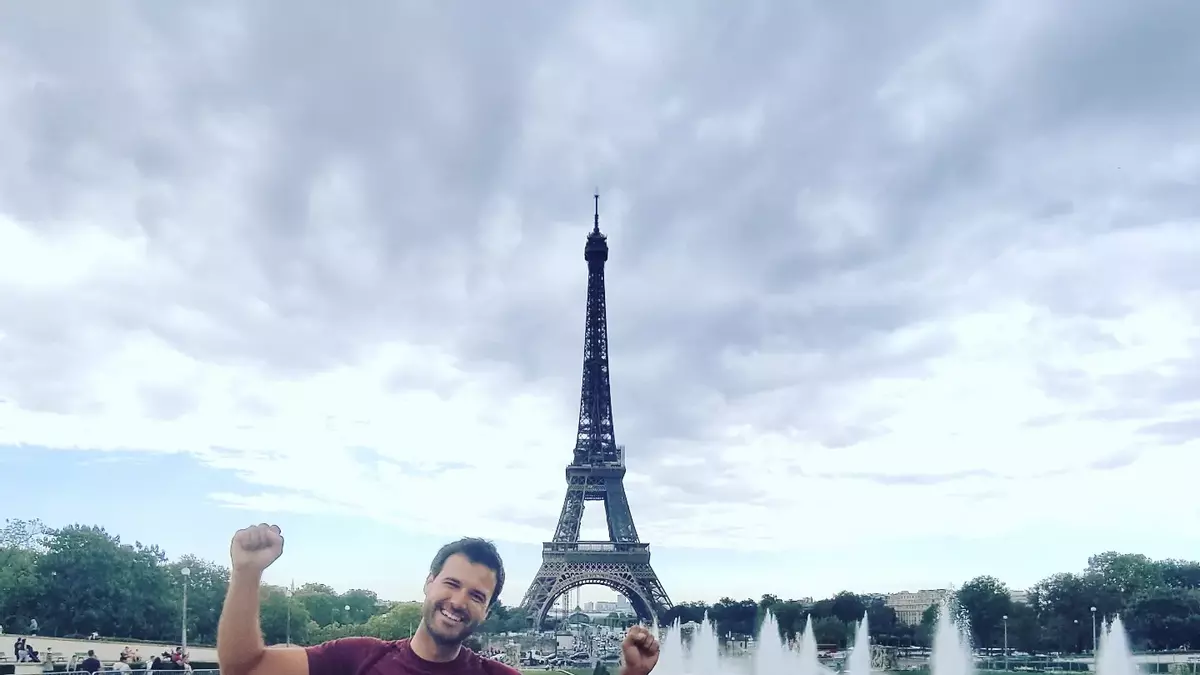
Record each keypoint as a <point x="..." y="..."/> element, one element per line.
<point x="464" y="583"/>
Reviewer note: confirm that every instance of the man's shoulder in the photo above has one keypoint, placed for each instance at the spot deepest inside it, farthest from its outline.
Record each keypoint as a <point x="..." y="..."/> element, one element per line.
<point x="356" y="644"/>
<point x="348" y="655"/>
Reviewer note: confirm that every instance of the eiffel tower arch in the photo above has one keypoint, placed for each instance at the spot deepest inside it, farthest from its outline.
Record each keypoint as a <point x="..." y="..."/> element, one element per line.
<point x="596" y="473"/>
<point x="561" y="577"/>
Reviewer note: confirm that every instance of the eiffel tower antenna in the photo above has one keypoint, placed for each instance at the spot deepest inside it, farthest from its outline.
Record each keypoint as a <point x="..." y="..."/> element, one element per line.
<point x="596" y="218"/>
<point x="596" y="473"/>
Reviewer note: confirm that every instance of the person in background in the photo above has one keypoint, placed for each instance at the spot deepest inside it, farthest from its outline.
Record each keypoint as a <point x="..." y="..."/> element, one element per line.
<point x="463" y="584"/>
<point x="91" y="664"/>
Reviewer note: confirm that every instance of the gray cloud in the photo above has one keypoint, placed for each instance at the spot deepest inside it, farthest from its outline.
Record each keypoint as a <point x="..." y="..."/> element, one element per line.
<point x="1174" y="432"/>
<point x="789" y="179"/>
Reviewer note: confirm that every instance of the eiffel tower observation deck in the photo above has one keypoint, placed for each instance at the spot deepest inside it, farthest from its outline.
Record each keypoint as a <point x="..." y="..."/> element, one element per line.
<point x="596" y="473"/>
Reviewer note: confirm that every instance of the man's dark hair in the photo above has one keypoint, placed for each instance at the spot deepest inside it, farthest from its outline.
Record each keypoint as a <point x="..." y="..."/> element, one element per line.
<point x="478" y="551"/>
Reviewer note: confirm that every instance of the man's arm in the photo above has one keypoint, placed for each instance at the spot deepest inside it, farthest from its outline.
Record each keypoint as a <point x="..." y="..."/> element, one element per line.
<point x="240" y="646"/>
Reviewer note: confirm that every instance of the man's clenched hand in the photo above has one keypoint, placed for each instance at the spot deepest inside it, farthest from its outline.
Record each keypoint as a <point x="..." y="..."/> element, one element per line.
<point x="254" y="548"/>
<point x="640" y="651"/>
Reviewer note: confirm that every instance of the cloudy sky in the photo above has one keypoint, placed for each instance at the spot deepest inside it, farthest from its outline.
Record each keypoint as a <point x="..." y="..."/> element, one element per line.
<point x="899" y="294"/>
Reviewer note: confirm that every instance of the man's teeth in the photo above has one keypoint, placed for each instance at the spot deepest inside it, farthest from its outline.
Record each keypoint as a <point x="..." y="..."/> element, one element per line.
<point x="450" y="617"/>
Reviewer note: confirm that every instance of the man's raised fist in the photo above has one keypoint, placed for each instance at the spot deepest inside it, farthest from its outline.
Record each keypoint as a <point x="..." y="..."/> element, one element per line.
<point x="254" y="548"/>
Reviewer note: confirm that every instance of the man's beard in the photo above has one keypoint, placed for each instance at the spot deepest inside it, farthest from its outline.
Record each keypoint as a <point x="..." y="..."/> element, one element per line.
<point x="445" y="638"/>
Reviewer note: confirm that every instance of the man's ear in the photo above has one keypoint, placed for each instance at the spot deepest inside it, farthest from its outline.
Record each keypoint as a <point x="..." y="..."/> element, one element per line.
<point x="428" y="580"/>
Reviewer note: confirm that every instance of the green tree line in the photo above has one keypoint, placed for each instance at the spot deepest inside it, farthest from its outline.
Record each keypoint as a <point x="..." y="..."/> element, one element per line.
<point x="79" y="579"/>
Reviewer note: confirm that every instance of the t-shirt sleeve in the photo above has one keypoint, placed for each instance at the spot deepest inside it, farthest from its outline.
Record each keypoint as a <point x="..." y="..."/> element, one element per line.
<point x="340" y="657"/>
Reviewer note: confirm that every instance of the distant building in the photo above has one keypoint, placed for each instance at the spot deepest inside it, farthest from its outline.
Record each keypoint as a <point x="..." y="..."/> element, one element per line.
<point x="620" y="606"/>
<point x="1019" y="597"/>
<point x="911" y="605"/>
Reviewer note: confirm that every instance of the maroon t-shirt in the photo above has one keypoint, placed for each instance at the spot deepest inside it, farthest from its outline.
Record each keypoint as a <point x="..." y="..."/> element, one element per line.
<point x="372" y="656"/>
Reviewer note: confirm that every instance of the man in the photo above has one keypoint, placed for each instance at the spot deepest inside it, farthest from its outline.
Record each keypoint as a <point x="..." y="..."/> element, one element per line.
<point x="91" y="664"/>
<point x="464" y="583"/>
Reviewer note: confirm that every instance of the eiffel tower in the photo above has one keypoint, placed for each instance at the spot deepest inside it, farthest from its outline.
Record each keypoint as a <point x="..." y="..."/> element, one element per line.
<point x="596" y="473"/>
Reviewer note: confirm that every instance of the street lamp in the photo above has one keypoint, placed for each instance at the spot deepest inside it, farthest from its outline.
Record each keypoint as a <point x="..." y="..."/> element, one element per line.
<point x="53" y="576"/>
<point x="187" y="573"/>
<point x="347" y="608"/>
<point x="288" y="630"/>
<point x="1094" y="637"/>
<point x="1005" y="617"/>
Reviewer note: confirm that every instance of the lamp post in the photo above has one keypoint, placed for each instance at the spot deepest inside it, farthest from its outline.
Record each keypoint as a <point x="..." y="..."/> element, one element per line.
<point x="347" y="608"/>
<point x="1005" y="617"/>
<point x="1095" y="638"/>
<point x="53" y="577"/>
<point x="288" y="629"/>
<point x="187" y="573"/>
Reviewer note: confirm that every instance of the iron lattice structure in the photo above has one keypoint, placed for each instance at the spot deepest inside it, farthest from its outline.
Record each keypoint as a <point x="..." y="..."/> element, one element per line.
<point x="596" y="473"/>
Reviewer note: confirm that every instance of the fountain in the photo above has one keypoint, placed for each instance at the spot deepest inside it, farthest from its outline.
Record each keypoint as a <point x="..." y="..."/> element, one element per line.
<point x="807" y="662"/>
<point x="951" y="644"/>
<point x="859" y="661"/>
<point x="670" y="651"/>
<point x="771" y="656"/>
<point x="704" y="658"/>
<point x="1113" y="656"/>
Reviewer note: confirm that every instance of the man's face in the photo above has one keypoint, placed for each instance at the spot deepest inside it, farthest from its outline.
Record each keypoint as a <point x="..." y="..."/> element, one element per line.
<point x="456" y="600"/>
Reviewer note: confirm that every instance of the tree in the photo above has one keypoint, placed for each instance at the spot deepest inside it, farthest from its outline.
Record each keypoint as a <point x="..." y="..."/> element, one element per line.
<point x="363" y="605"/>
<point x="283" y="618"/>
<point x="791" y="616"/>
<point x="986" y="601"/>
<point x="1125" y="574"/>
<point x="881" y="619"/>
<point x="321" y="602"/>
<point x="28" y="535"/>
<point x="503" y="619"/>
<point x="1024" y="633"/>
<point x="735" y="616"/>
<point x="399" y="622"/>
<point x="92" y="582"/>
<point x="923" y="635"/>
<point x="1064" y="603"/>
<point x="685" y="612"/>
<point x="20" y="586"/>
<point x="830" y="630"/>
<point x="21" y="542"/>
<point x="848" y="607"/>
<point x="1180" y="574"/>
<point x="1165" y="618"/>
<point x="207" y="583"/>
